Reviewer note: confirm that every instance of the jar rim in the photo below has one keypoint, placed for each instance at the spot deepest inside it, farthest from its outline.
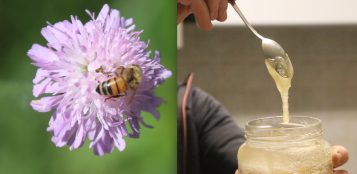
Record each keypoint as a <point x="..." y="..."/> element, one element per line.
<point x="299" y="127"/>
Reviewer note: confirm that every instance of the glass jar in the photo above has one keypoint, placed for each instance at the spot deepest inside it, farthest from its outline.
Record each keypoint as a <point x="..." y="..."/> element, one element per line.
<point x="273" y="147"/>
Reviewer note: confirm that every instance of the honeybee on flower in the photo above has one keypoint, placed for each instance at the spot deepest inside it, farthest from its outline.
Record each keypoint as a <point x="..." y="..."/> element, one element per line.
<point x="67" y="81"/>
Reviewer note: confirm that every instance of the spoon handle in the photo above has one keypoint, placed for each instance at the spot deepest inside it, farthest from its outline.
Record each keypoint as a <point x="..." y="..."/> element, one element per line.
<point x="236" y="8"/>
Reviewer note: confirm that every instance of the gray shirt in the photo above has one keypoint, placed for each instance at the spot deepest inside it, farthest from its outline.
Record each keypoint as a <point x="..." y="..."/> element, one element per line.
<point x="213" y="138"/>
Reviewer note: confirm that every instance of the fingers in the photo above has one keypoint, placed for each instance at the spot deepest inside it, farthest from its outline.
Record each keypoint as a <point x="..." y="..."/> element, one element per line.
<point x="203" y="10"/>
<point x="340" y="172"/>
<point x="202" y="17"/>
<point x="213" y="8"/>
<point x="237" y="172"/>
<point x="222" y="10"/>
<point x="339" y="156"/>
<point x="185" y="2"/>
<point x="182" y="12"/>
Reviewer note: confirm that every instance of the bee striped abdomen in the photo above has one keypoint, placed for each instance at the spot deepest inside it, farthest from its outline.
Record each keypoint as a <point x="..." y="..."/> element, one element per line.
<point x="112" y="87"/>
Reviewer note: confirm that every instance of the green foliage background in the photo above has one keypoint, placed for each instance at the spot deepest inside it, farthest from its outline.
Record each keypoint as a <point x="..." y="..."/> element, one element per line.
<point x="25" y="146"/>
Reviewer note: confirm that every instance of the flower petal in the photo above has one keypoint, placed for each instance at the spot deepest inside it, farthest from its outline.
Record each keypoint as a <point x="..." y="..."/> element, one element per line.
<point x="40" y="75"/>
<point x="104" y="145"/>
<point x="117" y="137"/>
<point x="46" y="104"/>
<point x="42" y="56"/>
<point x="103" y="13"/>
<point x="40" y="88"/>
<point x="79" y="138"/>
<point x="58" y="35"/>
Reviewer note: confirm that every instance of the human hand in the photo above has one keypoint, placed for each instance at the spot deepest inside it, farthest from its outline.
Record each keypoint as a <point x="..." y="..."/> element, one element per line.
<point x="339" y="157"/>
<point x="204" y="11"/>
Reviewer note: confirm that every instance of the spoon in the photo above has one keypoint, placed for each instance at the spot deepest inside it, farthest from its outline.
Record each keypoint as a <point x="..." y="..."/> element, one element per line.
<point x="272" y="51"/>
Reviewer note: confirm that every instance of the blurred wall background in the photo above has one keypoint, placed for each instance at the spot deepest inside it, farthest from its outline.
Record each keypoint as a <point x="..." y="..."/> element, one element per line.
<point x="302" y="12"/>
<point x="25" y="146"/>
<point x="228" y="63"/>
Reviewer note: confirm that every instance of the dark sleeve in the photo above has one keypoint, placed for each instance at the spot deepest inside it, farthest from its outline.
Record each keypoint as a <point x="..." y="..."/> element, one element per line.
<point x="219" y="136"/>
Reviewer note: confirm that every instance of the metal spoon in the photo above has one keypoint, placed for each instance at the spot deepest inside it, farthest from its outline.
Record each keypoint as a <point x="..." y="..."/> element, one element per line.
<point x="271" y="49"/>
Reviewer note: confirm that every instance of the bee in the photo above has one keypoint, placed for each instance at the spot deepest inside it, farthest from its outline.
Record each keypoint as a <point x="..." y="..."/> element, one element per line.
<point x="124" y="80"/>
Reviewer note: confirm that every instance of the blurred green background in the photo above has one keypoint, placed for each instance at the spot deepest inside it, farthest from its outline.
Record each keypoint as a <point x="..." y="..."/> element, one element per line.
<point x="25" y="146"/>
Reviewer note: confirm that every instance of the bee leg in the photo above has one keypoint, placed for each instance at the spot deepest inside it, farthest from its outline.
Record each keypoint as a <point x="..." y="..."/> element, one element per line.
<point x="115" y="96"/>
<point x="108" y="74"/>
<point x="101" y="70"/>
<point x="122" y="94"/>
<point x="119" y="71"/>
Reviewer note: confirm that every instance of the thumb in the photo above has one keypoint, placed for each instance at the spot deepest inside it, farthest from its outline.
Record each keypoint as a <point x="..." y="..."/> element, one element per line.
<point x="339" y="156"/>
<point x="340" y="172"/>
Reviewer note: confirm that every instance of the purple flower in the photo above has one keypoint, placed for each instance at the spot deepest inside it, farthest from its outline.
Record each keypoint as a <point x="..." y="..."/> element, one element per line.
<point x="67" y="78"/>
